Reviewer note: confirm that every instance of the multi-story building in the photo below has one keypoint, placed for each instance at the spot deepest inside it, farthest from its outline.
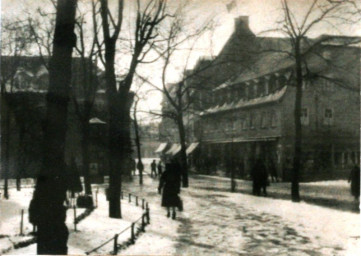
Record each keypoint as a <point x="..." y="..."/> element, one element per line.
<point x="247" y="106"/>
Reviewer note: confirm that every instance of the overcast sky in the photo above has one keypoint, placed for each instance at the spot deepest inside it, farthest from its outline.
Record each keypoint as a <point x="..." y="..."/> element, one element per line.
<point x="263" y="15"/>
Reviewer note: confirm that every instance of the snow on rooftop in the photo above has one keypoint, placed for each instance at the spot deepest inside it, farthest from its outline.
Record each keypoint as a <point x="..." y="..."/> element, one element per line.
<point x="247" y="103"/>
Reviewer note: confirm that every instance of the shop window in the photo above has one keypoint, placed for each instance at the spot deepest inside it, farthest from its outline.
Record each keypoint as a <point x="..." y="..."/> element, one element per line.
<point x="328" y="116"/>
<point x="304" y="116"/>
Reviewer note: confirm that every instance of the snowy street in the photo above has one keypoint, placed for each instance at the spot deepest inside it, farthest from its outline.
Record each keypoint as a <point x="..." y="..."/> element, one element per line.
<point x="232" y="223"/>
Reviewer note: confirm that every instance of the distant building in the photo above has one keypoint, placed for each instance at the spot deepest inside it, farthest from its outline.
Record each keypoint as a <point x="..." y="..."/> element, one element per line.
<point x="245" y="101"/>
<point x="26" y="80"/>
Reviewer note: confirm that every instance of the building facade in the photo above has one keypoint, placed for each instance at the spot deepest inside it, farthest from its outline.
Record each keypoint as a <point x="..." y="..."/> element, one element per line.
<point x="246" y="106"/>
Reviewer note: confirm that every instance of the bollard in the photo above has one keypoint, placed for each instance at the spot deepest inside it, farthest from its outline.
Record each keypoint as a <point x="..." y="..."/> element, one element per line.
<point x="130" y="198"/>
<point x="142" y="228"/>
<point x="96" y="199"/>
<point x="147" y="214"/>
<point x="115" y="249"/>
<point x="74" y="208"/>
<point x="21" y="222"/>
<point x="121" y="195"/>
<point x="132" y="236"/>
<point x="143" y="203"/>
<point x="136" y="200"/>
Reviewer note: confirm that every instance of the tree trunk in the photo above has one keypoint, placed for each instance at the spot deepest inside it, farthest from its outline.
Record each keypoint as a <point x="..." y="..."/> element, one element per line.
<point x="5" y="140"/>
<point x="137" y="142"/>
<point x="295" y="194"/>
<point x="47" y="209"/>
<point x="183" y="154"/>
<point x="85" y="156"/>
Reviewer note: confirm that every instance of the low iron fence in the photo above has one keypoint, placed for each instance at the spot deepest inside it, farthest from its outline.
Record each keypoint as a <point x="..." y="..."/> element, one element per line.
<point x="134" y="229"/>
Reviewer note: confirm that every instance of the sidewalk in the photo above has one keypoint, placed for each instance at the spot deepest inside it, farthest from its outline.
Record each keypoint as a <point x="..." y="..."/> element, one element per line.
<point x="331" y="194"/>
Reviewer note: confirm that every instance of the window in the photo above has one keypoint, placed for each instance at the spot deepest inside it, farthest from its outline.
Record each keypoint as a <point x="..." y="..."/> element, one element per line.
<point x="304" y="116"/>
<point x="263" y="120"/>
<point x="229" y="96"/>
<point x="244" y="123"/>
<point x="255" y="90"/>
<point x="328" y="116"/>
<point x="274" y="120"/>
<point x="246" y="92"/>
<point x="252" y="120"/>
<point x="328" y="86"/>
<point x="305" y="85"/>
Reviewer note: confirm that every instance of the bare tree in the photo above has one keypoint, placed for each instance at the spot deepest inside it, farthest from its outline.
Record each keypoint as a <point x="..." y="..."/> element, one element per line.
<point x="149" y="15"/>
<point x="296" y="29"/>
<point x="140" y="165"/>
<point x="47" y="209"/>
<point x="179" y="96"/>
<point x="84" y="95"/>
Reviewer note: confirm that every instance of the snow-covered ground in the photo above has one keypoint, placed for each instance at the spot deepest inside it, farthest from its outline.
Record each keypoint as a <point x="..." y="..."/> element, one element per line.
<point x="222" y="223"/>
<point x="91" y="232"/>
<point x="213" y="222"/>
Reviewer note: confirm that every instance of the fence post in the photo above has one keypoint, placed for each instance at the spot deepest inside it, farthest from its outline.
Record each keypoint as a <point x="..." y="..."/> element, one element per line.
<point x="136" y="200"/>
<point x="143" y="223"/>
<point x="115" y="249"/>
<point x="143" y="203"/>
<point x="74" y="207"/>
<point x="147" y="214"/>
<point x="132" y="236"/>
<point x="21" y="222"/>
<point x="130" y="198"/>
<point x="96" y="198"/>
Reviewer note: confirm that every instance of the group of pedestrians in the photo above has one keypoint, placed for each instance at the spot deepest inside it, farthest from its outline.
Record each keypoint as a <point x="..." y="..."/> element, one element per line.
<point x="156" y="167"/>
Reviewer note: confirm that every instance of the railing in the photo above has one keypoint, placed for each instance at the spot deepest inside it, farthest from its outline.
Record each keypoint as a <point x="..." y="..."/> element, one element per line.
<point x="144" y="220"/>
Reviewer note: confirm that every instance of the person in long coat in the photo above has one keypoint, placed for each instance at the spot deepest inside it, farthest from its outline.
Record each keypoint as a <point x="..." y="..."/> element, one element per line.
<point x="355" y="182"/>
<point x="259" y="176"/>
<point x="169" y="186"/>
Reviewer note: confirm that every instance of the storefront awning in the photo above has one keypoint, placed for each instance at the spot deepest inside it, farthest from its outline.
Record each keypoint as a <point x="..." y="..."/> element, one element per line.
<point x="192" y="147"/>
<point x="174" y="150"/>
<point x="161" y="148"/>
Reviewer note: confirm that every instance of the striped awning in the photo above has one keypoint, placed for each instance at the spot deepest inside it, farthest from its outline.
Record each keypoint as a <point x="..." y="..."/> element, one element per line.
<point x="192" y="147"/>
<point x="174" y="150"/>
<point x="161" y="148"/>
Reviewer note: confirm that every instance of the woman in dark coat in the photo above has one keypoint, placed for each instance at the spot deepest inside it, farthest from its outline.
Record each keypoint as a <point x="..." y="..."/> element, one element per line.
<point x="355" y="182"/>
<point x="170" y="183"/>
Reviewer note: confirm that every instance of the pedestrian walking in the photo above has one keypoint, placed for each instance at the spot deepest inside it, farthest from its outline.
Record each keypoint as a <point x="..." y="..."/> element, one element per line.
<point x="259" y="177"/>
<point x="140" y="167"/>
<point x="354" y="179"/>
<point x="169" y="187"/>
<point x="153" y="167"/>
<point x="159" y="166"/>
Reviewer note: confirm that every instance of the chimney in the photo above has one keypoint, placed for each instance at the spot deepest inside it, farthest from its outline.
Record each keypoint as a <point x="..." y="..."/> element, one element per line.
<point x="241" y="25"/>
